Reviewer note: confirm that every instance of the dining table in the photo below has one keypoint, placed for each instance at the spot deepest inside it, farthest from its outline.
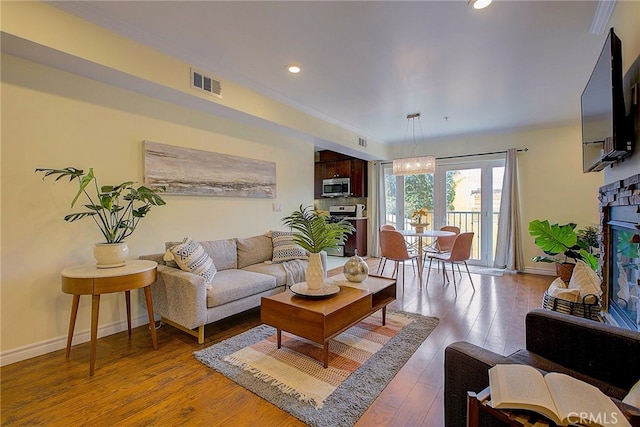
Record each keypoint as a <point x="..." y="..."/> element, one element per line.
<point x="433" y="234"/>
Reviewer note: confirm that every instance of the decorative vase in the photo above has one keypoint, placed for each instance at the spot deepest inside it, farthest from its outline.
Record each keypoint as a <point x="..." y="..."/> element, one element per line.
<point x="355" y="269"/>
<point x="315" y="272"/>
<point x="109" y="255"/>
<point x="419" y="226"/>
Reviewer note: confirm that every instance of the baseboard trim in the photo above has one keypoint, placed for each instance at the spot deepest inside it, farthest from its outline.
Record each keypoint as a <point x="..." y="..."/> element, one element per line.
<point x="543" y="271"/>
<point x="43" y="347"/>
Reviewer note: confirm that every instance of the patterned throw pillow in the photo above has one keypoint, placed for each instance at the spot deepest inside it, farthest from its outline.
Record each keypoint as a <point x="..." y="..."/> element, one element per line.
<point x="191" y="256"/>
<point x="284" y="249"/>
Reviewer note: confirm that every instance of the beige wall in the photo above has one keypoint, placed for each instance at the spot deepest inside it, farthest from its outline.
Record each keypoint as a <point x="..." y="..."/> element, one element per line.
<point x="55" y="119"/>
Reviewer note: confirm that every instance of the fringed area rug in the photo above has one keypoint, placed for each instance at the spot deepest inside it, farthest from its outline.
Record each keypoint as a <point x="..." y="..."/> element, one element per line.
<point x="362" y="361"/>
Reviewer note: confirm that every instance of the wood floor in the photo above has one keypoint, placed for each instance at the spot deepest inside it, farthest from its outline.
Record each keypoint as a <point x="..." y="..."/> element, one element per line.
<point x="136" y="386"/>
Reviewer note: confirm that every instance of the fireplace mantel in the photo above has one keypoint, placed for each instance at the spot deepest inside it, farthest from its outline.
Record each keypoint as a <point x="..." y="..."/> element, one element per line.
<point x="624" y="194"/>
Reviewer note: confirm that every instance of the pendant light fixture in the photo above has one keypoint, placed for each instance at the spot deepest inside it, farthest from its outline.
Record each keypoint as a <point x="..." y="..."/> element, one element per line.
<point x="414" y="165"/>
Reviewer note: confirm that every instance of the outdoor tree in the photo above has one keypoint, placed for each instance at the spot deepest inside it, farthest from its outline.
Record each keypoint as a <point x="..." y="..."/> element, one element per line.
<point x="418" y="192"/>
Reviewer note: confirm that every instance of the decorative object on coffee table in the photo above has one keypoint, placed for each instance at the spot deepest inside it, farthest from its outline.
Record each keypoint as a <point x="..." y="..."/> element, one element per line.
<point x="355" y="269"/>
<point x="314" y="233"/>
<point x="116" y="210"/>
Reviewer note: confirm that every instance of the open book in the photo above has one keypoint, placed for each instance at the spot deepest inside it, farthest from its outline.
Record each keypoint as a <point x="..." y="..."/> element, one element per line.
<point x="561" y="398"/>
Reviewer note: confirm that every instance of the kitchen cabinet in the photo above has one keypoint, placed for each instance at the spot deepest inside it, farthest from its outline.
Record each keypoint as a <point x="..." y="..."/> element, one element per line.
<point x="334" y="165"/>
<point x="358" y="239"/>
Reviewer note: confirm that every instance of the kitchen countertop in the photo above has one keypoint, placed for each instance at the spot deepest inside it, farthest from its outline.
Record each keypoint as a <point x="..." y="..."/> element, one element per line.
<point x="355" y="217"/>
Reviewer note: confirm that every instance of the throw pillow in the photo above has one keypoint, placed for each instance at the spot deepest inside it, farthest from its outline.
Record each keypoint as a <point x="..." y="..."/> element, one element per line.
<point x="587" y="281"/>
<point x="558" y="289"/>
<point x="191" y="256"/>
<point x="633" y="397"/>
<point x="284" y="248"/>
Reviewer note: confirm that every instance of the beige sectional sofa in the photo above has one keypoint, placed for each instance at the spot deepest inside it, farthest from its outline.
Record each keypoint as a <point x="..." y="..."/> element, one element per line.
<point x="244" y="275"/>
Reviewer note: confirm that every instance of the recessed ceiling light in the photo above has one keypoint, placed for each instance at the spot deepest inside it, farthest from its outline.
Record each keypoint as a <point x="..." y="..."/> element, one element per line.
<point x="294" y="69"/>
<point x="480" y="4"/>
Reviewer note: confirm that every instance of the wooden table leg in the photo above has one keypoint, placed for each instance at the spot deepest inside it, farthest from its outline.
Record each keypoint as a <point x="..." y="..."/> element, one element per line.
<point x="127" y="298"/>
<point x="152" y="323"/>
<point x="473" y="410"/>
<point x="326" y="355"/>
<point x="384" y="315"/>
<point x="72" y="323"/>
<point x="279" y="337"/>
<point x="95" y="306"/>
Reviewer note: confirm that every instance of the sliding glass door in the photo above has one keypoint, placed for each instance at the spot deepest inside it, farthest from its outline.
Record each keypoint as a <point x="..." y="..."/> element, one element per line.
<point x="463" y="194"/>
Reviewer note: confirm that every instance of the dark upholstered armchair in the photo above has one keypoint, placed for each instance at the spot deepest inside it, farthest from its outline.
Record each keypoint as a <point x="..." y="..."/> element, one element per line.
<point x="603" y="355"/>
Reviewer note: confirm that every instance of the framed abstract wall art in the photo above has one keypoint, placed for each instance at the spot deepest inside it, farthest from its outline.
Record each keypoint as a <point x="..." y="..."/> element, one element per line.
<point x="197" y="172"/>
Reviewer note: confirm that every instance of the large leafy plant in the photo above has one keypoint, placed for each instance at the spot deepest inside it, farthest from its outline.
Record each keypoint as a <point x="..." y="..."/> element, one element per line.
<point x="116" y="209"/>
<point x="314" y="232"/>
<point x="555" y="239"/>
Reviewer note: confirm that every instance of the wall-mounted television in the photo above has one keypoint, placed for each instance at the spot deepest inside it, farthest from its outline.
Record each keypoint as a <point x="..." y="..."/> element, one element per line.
<point x="605" y="137"/>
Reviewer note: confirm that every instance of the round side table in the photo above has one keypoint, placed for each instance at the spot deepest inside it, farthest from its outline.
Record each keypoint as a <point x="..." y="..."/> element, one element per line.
<point x="89" y="280"/>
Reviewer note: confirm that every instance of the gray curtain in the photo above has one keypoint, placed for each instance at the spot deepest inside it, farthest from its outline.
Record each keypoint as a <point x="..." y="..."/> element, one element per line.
<point x="374" y="207"/>
<point x="509" y="246"/>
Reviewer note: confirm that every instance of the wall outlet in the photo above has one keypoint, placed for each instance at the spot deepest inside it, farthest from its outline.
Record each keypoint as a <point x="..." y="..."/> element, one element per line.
<point x="276" y="207"/>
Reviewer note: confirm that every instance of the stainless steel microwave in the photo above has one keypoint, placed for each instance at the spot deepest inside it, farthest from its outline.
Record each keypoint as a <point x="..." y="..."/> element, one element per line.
<point x="336" y="187"/>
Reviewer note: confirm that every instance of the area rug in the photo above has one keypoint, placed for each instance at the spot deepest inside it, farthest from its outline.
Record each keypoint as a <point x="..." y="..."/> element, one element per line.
<point x="362" y="361"/>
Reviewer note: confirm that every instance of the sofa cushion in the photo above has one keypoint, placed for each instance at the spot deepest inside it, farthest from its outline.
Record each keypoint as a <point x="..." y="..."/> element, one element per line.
<point x="284" y="249"/>
<point x="526" y="357"/>
<point x="275" y="270"/>
<point x="190" y="256"/>
<point x="254" y="250"/>
<point x="224" y="253"/>
<point x="232" y="284"/>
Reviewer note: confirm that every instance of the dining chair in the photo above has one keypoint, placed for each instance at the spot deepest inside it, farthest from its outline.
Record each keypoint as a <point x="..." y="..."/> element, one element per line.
<point x="442" y="244"/>
<point x="383" y="260"/>
<point x="459" y="254"/>
<point x="394" y="248"/>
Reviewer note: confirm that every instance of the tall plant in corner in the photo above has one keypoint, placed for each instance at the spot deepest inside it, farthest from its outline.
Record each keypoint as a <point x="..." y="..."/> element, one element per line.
<point x="115" y="209"/>
<point x="314" y="233"/>
<point x="555" y="239"/>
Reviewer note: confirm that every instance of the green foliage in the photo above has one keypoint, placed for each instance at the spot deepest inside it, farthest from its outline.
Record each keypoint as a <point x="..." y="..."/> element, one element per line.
<point x="116" y="210"/>
<point x="418" y="191"/>
<point x="554" y="239"/>
<point x="313" y="232"/>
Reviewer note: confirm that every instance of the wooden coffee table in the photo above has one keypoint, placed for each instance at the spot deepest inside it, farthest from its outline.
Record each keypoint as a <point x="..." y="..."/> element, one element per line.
<point x="321" y="320"/>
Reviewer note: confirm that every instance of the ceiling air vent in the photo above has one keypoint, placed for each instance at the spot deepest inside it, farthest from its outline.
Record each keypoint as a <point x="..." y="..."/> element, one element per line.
<point x="362" y="142"/>
<point x="203" y="82"/>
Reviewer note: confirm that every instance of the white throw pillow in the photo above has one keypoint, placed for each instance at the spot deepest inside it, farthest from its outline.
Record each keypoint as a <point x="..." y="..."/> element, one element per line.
<point x="284" y="249"/>
<point x="191" y="256"/>
<point x="587" y="281"/>
<point x="558" y="289"/>
<point x="633" y="397"/>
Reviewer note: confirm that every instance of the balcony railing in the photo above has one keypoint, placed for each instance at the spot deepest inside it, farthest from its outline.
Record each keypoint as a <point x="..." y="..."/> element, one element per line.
<point x="465" y="220"/>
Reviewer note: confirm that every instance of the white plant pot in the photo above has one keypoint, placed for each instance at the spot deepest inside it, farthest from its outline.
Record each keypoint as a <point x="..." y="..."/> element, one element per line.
<point x="315" y="272"/>
<point x="109" y="255"/>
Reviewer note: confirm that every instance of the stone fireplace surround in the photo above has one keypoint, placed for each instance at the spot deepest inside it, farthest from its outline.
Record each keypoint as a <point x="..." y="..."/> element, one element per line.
<point x="626" y="194"/>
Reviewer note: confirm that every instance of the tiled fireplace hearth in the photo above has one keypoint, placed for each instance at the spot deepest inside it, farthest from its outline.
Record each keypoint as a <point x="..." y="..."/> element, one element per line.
<point x="620" y="240"/>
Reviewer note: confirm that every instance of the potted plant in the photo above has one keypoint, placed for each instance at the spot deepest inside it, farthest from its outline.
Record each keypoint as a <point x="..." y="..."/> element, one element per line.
<point x="564" y="240"/>
<point x="115" y="209"/>
<point x="417" y="216"/>
<point x="314" y="233"/>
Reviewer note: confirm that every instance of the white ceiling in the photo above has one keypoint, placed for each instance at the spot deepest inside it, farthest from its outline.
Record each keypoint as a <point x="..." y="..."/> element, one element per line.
<point x="366" y="65"/>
